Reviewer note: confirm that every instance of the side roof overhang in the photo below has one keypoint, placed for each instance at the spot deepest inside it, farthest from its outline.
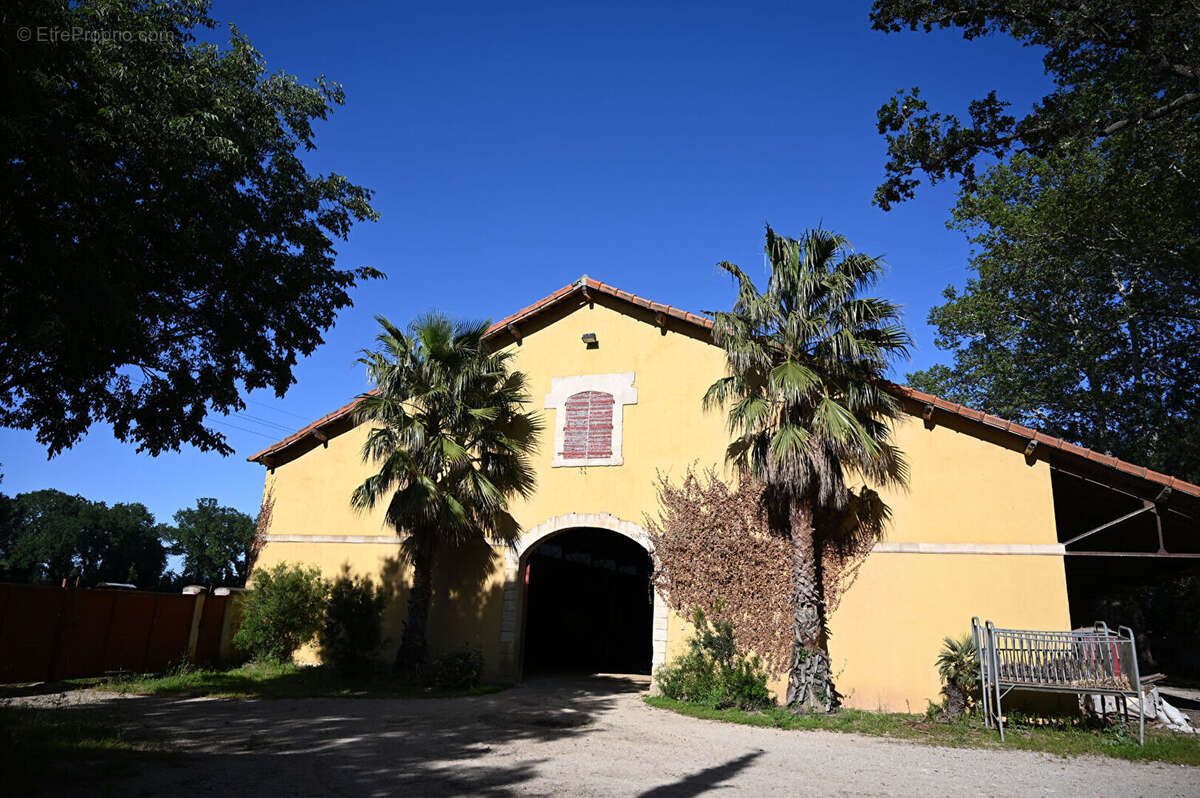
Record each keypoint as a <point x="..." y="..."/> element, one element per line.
<point x="934" y="409"/>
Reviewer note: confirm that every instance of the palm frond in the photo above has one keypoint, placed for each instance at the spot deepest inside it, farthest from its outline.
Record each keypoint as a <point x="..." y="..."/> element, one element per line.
<point x="805" y="360"/>
<point x="449" y="434"/>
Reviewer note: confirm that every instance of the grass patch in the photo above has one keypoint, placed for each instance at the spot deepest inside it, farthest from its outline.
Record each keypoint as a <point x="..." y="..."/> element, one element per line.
<point x="67" y="747"/>
<point x="261" y="680"/>
<point x="1063" y="739"/>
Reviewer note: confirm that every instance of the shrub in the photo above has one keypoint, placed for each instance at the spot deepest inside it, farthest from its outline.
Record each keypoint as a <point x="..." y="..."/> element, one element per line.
<point x="457" y="670"/>
<point x="351" y="631"/>
<point x="958" y="667"/>
<point x="283" y="611"/>
<point x="712" y="673"/>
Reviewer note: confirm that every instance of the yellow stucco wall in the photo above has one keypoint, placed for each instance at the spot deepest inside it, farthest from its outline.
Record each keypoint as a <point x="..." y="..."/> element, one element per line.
<point x="667" y="428"/>
<point x="467" y="596"/>
<point x="885" y="635"/>
<point x="311" y="494"/>
<point x="962" y="489"/>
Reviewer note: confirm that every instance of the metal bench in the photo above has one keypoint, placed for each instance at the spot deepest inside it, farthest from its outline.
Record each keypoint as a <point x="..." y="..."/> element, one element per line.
<point x="1093" y="661"/>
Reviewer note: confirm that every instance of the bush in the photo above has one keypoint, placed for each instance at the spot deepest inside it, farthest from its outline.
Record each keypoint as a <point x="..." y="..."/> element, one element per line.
<point x="351" y="632"/>
<point x="457" y="670"/>
<point x="283" y="611"/>
<point x="712" y="673"/>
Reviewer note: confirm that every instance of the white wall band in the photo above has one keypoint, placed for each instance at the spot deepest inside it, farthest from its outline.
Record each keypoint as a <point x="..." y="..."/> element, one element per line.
<point x="1025" y="549"/>
<point x="604" y="521"/>
<point x="376" y="539"/>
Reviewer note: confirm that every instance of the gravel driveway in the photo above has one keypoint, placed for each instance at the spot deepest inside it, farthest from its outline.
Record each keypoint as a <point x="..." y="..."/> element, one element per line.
<point x="582" y="737"/>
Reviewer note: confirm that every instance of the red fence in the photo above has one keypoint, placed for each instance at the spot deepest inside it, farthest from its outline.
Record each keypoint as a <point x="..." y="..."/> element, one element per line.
<point x="51" y="633"/>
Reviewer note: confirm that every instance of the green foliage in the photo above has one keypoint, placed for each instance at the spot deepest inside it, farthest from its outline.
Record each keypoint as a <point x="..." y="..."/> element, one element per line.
<point x="215" y="543"/>
<point x="49" y="536"/>
<point x="456" y="670"/>
<point x="8" y="537"/>
<point x="449" y="443"/>
<point x="1122" y="70"/>
<point x="352" y="628"/>
<point x="958" y="666"/>
<point x="1081" y="319"/>
<point x="1075" y="320"/>
<point x="43" y="744"/>
<point x="283" y="611"/>
<point x="1061" y="739"/>
<point x="276" y="680"/>
<point x="165" y="246"/>
<point x="711" y="673"/>
<point x="958" y="663"/>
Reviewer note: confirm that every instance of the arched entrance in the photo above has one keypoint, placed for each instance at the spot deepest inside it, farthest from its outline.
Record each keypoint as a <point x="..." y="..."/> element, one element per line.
<point x="578" y="597"/>
<point x="588" y="604"/>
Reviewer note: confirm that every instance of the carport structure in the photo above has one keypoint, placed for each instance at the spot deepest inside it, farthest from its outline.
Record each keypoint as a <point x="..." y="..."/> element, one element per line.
<point x="1122" y="532"/>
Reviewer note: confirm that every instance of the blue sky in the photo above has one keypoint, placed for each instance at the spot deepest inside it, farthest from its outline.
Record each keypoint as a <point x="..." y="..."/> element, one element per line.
<point x="514" y="147"/>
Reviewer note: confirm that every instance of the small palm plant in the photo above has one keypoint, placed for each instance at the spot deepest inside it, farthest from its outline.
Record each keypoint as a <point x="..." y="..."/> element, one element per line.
<point x="958" y="666"/>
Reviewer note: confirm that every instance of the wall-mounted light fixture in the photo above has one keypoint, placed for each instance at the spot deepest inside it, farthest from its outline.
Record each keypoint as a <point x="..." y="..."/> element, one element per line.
<point x="590" y="339"/>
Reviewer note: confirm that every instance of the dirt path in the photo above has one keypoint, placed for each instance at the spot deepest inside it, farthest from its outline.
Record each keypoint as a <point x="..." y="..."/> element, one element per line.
<point x="587" y="737"/>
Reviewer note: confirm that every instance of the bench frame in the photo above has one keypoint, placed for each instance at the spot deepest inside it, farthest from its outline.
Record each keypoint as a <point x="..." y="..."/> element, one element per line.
<point x="1090" y="661"/>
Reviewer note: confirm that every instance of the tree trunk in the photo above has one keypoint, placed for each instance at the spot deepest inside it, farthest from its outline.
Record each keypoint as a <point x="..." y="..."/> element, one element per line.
<point x="810" y="680"/>
<point x="411" y="655"/>
<point x="956" y="701"/>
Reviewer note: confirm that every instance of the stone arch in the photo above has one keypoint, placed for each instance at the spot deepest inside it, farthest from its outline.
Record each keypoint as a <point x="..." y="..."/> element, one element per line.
<point x="560" y="523"/>
<point x="511" y="617"/>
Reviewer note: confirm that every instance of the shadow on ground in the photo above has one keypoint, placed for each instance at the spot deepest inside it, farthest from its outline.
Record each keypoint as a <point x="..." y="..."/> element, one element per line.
<point x="320" y="746"/>
<point x="702" y="781"/>
<point x="44" y="688"/>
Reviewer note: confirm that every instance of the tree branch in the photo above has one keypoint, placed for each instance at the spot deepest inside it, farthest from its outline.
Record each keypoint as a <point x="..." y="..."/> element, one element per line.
<point x="1157" y="113"/>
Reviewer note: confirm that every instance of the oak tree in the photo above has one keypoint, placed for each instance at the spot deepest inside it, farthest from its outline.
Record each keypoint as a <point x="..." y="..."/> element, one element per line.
<point x="1083" y="316"/>
<point x="164" y="246"/>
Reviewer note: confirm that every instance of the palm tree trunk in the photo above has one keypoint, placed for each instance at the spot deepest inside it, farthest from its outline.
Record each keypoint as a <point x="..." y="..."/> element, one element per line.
<point x="411" y="655"/>
<point x="810" y="680"/>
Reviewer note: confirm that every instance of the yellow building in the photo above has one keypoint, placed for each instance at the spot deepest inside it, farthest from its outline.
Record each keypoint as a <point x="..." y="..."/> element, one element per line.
<point x="619" y="379"/>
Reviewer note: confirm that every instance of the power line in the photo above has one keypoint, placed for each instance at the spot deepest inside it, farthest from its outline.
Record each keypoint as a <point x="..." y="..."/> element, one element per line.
<point x="242" y="429"/>
<point x="277" y="409"/>
<point x="258" y="423"/>
<point x="265" y="421"/>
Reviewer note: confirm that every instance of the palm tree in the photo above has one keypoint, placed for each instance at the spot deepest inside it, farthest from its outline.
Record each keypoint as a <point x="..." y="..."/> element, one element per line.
<point x="958" y="666"/>
<point x="811" y="418"/>
<point x="452" y="444"/>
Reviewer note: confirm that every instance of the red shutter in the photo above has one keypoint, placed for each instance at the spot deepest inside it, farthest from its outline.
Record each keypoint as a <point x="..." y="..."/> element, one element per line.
<point x="587" y="431"/>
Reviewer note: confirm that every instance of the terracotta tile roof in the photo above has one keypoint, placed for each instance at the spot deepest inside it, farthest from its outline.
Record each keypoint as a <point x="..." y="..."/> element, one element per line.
<point x="299" y="435"/>
<point x="587" y="284"/>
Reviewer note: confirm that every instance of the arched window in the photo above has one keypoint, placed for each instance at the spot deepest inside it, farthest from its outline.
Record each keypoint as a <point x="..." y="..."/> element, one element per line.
<point x="587" y="433"/>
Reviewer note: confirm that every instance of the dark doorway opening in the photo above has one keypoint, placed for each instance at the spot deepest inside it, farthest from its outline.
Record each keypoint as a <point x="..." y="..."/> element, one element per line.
<point x="1132" y="560"/>
<point x="589" y="606"/>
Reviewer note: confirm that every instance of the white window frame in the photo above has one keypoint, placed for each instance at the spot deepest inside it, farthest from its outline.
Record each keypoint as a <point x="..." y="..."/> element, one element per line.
<point x="619" y="386"/>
